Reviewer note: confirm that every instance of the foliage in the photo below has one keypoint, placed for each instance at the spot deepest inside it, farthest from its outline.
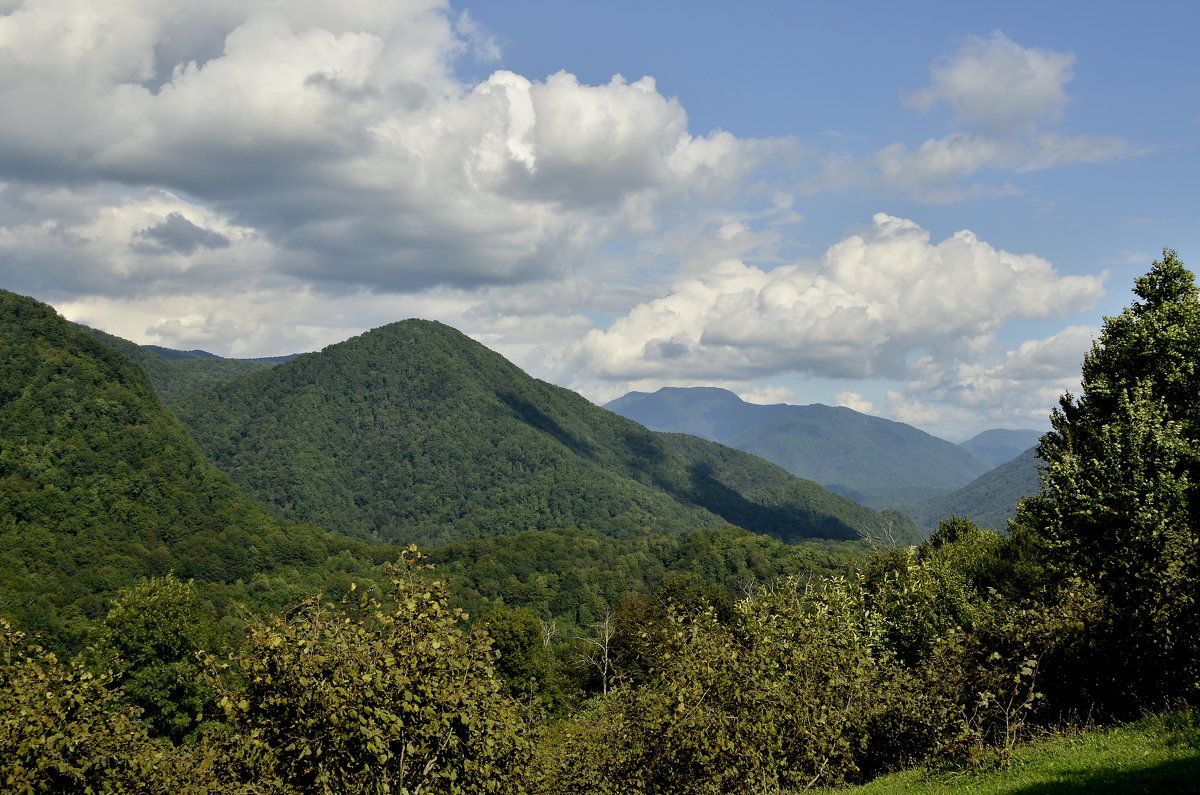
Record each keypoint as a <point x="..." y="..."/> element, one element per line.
<point x="821" y="682"/>
<point x="150" y="639"/>
<point x="572" y="577"/>
<point x="364" y="698"/>
<point x="788" y="698"/>
<point x="1119" y="507"/>
<point x="65" y="729"/>
<point x="526" y="659"/>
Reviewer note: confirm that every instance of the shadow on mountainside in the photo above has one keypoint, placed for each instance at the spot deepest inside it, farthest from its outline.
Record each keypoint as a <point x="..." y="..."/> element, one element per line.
<point x="537" y="419"/>
<point x="782" y="523"/>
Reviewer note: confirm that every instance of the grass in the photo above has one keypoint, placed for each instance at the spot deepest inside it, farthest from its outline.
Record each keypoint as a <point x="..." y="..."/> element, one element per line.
<point x="1158" y="754"/>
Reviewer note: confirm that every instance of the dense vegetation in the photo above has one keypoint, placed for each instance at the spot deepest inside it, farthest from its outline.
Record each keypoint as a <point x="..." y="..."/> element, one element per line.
<point x="1119" y="513"/>
<point x="573" y="577"/>
<point x="870" y="459"/>
<point x="415" y="433"/>
<point x="951" y="651"/>
<point x="173" y="374"/>
<point x="101" y="486"/>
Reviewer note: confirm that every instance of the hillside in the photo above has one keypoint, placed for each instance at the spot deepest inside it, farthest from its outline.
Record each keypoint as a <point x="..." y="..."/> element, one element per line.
<point x="175" y="373"/>
<point x="1159" y="753"/>
<point x="990" y="500"/>
<point x="100" y="485"/>
<point x="414" y="432"/>
<point x="870" y="459"/>
<point x="1000" y="445"/>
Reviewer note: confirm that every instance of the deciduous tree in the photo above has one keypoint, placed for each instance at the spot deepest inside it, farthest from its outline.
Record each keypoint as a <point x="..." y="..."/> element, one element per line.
<point x="1120" y="498"/>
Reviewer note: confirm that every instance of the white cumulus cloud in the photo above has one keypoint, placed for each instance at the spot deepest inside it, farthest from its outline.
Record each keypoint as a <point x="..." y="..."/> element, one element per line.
<point x="1002" y="97"/>
<point x="872" y="303"/>
<point x="994" y="84"/>
<point x="340" y="134"/>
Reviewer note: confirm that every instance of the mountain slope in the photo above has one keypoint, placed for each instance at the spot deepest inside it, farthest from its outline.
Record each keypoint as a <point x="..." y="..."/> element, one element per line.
<point x="101" y="485"/>
<point x="990" y="500"/>
<point x="175" y="373"/>
<point x="870" y="459"/>
<point x="1000" y="445"/>
<point x="415" y="432"/>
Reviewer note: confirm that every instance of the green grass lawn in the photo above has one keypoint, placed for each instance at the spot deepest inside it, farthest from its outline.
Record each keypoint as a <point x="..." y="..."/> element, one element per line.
<point x="1159" y="754"/>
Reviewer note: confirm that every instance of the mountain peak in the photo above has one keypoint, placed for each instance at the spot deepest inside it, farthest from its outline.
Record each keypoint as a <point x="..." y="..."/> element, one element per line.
<point x="415" y="432"/>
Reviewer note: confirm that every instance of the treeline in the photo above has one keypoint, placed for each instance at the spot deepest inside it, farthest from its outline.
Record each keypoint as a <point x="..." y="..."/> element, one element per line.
<point x="174" y="374"/>
<point x="575" y="577"/>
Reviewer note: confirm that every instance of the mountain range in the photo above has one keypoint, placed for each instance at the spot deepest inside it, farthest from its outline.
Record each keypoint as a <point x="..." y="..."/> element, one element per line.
<point x="412" y="432"/>
<point x="870" y="459"/>
<point x="875" y="461"/>
<point x="101" y="485"/>
<point x="1001" y="445"/>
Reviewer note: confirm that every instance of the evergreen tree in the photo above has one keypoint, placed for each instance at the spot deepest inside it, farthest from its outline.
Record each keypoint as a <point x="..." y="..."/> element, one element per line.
<point x="1119" y="503"/>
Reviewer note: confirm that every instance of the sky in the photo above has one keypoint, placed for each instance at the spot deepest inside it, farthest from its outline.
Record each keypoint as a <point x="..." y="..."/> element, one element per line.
<point x="921" y="210"/>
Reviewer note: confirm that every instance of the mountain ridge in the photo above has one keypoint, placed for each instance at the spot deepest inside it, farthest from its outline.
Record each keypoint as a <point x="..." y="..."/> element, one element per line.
<point x="415" y="432"/>
<point x="1000" y="445"/>
<point x="990" y="500"/>
<point x="100" y="485"/>
<point x="870" y="459"/>
<point x="174" y="373"/>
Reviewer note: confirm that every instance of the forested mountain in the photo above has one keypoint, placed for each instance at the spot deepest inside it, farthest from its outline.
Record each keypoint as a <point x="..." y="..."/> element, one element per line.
<point x="175" y="373"/>
<point x="990" y="500"/>
<point x="100" y="485"/>
<point x="1000" y="445"/>
<point x="870" y="459"/>
<point x="414" y="432"/>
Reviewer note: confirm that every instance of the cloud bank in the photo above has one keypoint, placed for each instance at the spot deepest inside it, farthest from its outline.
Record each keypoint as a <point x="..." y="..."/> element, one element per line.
<point x="258" y="177"/>
<point x="340" y="136"/>
<point x="885" y="304"/>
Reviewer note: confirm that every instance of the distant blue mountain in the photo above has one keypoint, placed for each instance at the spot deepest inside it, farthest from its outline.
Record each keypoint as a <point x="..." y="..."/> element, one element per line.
<point x="870" y="459"/>
<point x="704" y="411"/>
<point x="1000" y="446"/>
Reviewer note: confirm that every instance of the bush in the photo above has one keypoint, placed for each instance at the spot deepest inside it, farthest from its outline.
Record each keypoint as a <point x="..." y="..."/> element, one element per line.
<point x="359" y="698"/>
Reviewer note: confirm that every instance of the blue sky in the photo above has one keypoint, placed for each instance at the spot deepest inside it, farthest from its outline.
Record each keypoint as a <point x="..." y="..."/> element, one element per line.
<point x="919" y="210"/>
